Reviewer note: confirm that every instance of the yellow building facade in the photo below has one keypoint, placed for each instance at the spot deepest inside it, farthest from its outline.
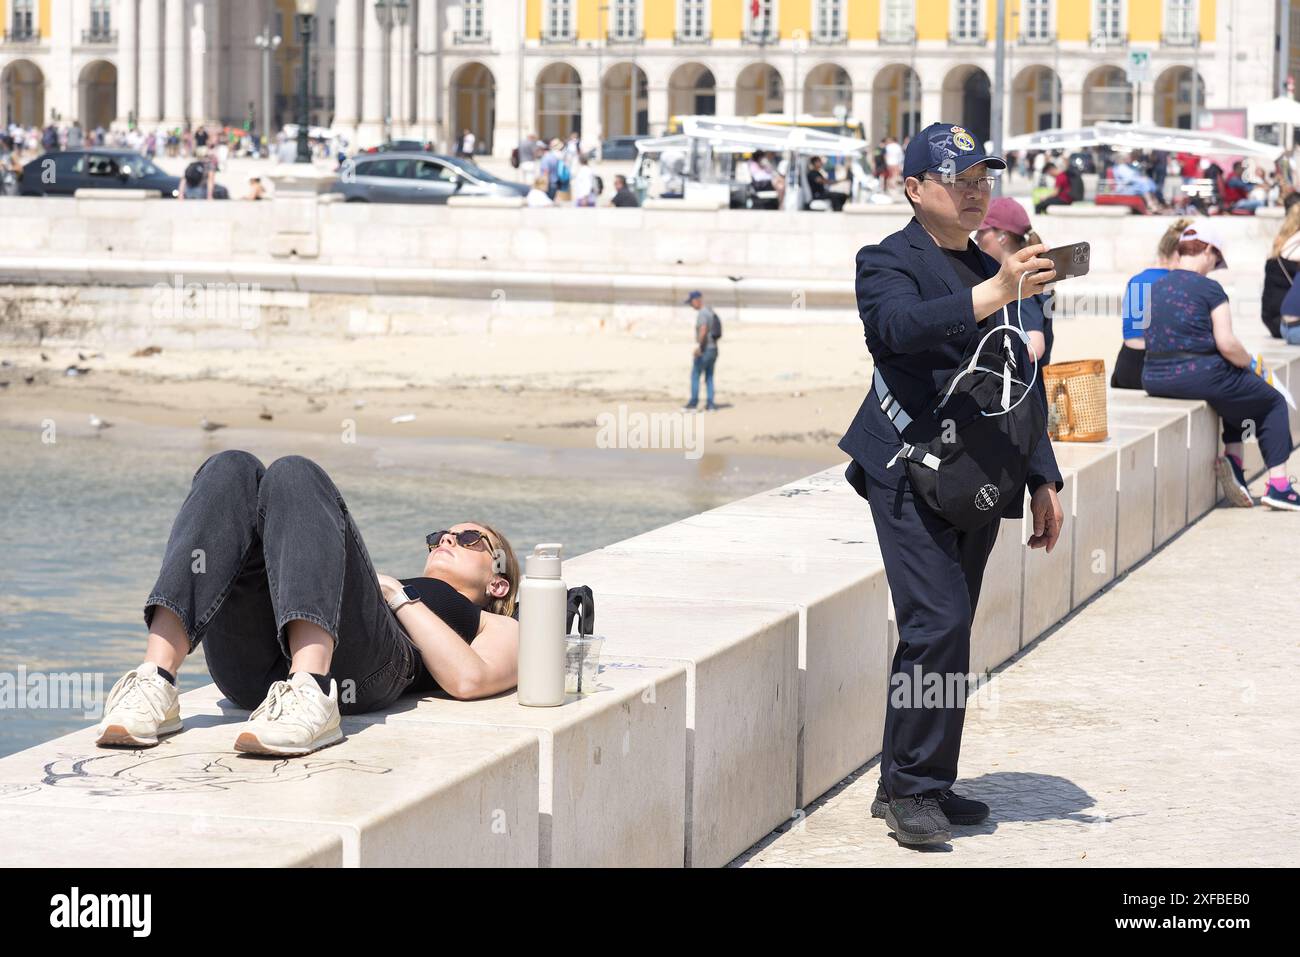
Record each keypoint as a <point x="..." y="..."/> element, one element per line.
<point x="1145" y="21"/>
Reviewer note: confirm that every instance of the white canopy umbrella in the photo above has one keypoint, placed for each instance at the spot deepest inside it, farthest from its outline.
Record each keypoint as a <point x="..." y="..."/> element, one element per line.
<point x="660" y="144"/>
<point x="1280" y="109"/>
<point x="1133" y="136"/>
<point x="729" y="134"/>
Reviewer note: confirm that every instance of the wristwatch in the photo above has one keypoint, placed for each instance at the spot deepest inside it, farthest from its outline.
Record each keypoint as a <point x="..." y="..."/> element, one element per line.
<point x="404" y="597"/>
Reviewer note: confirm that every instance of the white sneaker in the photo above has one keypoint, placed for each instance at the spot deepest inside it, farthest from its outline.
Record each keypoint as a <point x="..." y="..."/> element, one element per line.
<point x="295" y="718"/>
<point x="142" y="707"/>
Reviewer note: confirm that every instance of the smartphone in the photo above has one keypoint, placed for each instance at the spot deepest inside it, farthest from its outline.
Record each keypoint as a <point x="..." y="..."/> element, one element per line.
<point x="1070" y="261"/>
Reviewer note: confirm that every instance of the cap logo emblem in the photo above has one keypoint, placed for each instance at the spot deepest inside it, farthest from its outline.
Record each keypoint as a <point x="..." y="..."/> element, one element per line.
<point x="963" y="141"/>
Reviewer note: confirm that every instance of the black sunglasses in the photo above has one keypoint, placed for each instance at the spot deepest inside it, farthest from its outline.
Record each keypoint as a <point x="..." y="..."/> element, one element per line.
<point x="467" y="538"/>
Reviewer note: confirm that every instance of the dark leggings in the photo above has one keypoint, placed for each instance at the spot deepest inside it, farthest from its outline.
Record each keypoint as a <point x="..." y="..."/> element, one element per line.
<point x="254" y="548"/>
<point x="1240" y="398"/>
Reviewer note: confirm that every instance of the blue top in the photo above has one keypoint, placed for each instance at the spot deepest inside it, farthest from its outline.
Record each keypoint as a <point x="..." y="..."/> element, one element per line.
<point x="1035" y="316"/>
<point x="1181" y="304"/>
<point x="1137" y="301"/>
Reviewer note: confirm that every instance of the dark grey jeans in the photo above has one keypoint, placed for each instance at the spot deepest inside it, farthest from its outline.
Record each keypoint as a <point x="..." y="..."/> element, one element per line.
<point x="254" y="548"/>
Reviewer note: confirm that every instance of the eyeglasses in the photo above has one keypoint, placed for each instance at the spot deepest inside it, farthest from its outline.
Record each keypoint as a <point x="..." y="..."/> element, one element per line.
<point x="468" y="538"/>
<point x="983" y="184"/>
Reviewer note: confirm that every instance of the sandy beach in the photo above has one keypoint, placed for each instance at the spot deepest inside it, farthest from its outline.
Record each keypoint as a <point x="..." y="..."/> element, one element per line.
<point x="784" y="390"/>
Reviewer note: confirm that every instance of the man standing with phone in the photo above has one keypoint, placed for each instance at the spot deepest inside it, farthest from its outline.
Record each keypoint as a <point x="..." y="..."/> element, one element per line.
<point x="925" y="295"/>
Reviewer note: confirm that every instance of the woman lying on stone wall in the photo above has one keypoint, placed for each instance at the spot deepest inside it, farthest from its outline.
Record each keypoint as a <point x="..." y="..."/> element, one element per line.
<point x="266" y="565"/>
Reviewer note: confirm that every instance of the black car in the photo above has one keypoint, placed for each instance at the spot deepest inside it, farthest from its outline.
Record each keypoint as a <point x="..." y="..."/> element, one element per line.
<point x="620" y="148"/>
<point x="63" y="172"/>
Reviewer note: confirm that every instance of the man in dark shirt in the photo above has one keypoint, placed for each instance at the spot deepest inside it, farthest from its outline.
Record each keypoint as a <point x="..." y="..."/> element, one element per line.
<point x="820" y="189"/>
<point x="924" y="295"/>
<point x="622" y="195"/>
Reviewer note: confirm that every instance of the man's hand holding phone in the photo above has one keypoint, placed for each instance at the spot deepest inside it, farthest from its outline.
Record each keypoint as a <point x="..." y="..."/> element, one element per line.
<point x="992" y="294"/>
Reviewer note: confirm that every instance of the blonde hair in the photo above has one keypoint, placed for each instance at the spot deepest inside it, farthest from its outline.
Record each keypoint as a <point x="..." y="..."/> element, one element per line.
<point x="1168" y="244"/>
<point x="1290" y="226"/>
<point x="506" y="604"/>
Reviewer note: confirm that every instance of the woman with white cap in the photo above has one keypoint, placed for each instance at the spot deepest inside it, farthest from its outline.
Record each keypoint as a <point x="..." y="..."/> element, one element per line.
<point x="1192" y="353"/>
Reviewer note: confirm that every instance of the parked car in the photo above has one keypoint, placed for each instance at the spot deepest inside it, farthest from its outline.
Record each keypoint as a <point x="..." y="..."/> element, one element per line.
<point x="417" y="177"/>
<point x="400" y="146"/>
<point x="620" y="148"/>
<point x="62" y="173"/>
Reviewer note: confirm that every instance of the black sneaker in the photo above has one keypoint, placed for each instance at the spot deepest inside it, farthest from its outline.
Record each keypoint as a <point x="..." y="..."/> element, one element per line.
<point x="960" y="810"/>
<point x="1233" y="480"/>
<point x="918" y="819"/>
<point x="881" y="804"/>
<point x="1287" y="499"/>
<point x="957" y="809"/>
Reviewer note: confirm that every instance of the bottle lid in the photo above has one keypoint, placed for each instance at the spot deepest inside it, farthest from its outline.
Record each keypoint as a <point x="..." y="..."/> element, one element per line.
<point x="544" y="562"/>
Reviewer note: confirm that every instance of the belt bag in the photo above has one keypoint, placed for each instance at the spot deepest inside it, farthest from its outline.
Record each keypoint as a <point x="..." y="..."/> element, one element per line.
<point x="984" y="433"/>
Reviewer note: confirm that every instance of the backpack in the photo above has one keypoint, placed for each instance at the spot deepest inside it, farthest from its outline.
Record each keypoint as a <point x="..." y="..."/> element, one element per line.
<point x="964" y="460"/>
<point x="715" y="328"/>
<point x="1076" y="184"/>
<point x="514" y="157"/>
<point x="562" y="174"/>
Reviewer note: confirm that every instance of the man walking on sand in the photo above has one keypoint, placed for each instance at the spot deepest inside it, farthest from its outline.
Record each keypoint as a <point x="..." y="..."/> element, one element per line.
<point x="707" y="330"/>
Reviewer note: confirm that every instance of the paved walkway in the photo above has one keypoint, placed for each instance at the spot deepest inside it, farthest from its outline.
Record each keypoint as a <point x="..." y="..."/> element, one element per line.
<point x="1159" y="726"/>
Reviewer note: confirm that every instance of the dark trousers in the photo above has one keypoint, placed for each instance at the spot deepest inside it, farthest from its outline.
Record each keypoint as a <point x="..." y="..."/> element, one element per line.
<point x="934" y="572"/>
<point x="1127" y="373"/>
<point x="1237" y="395"/>
<point x="254" y="548"/>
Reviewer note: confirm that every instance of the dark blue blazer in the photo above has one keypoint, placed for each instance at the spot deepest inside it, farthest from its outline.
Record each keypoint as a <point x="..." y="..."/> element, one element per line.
<point x="918" y="322"/>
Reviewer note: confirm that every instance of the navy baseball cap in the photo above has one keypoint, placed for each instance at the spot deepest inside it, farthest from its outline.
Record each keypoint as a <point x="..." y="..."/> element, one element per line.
<point x="941" y="144"/>
<point x="694" y="295"/>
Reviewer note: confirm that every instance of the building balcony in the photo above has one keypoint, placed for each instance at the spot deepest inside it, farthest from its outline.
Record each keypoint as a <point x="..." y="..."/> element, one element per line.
<point x="1104" y="40"/>
<point x="1187" y="41"/>
<point x="463" y="38"/>
<point x="559" y="39"/>
<point x="967" y="39"/>
<point x="897" y="37"/>
<point x="1036" y="39"/>
<point x="692" y="39"/>
<point x="829" y="38"/>
<point x="98" y="37"/>
<point x="624" y="39"/>
<point x="22" y="36"/>
<point x="759" y="38"/>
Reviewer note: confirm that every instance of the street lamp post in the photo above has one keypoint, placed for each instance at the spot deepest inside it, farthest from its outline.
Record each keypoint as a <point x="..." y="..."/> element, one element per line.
<point x="268" y="44"/>
<point x="390" y="12"/>
<point x="306" y="15"/>
<point x="999" y="85"/>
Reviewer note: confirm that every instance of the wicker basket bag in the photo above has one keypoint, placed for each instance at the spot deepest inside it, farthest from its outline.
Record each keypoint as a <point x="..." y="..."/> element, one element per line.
<point x="1076" y="400"/>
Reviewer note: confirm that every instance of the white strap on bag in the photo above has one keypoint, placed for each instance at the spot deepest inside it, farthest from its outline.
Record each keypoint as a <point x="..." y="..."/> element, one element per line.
<point x="1006" y="329"/>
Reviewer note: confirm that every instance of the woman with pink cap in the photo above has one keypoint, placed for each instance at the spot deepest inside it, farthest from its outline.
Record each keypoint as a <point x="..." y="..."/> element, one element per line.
<point x="1192" y="353"/>
<point x="1004" y="232"/>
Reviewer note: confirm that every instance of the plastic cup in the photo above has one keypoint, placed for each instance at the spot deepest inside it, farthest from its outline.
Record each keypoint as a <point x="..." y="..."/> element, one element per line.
<point x="582" y="663"/>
